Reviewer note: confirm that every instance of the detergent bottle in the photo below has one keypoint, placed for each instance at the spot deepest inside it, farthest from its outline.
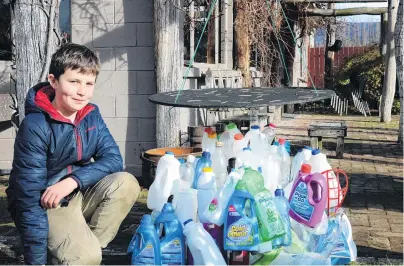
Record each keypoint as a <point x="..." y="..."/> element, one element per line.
<point x="203" y="162"/>
<point x="241" y="224"/>
<point x="172" y="242"/>
<point x="145" y="244"/>
<point x="308" y="198"/>
<point x="303" y="156"/>
<point x="206" y="191"/>
<point x="270" y="223"/>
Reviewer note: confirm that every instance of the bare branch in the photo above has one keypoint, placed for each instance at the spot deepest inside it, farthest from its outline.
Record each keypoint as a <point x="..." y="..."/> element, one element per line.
<point x="51" y="23"/>
<point x="346" y="11"/>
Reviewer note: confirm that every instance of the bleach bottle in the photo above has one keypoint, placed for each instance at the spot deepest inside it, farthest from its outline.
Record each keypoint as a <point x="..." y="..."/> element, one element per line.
<point x="172" y="242"/>
<point x="145" y="244"/>
<point x="241" y="224"/>
<point x="203" y="162"/>
<point x="308" y="198"/>
<point x="206" y="191"/>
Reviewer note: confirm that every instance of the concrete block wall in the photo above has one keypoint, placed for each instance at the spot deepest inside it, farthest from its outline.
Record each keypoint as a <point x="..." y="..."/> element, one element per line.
<point x="122" y="32"/>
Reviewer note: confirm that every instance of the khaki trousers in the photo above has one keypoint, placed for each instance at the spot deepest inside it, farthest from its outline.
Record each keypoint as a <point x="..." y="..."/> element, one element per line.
<point x="91" y="220"/>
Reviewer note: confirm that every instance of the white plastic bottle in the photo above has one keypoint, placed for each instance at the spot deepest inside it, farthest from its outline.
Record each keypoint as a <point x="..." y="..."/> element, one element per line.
<point x="212" y="139"/>
<point x="252" y="133"/>
<point x="201" y="244"/>
<point x="186" y="204"/>
<point x="232" y="129"/>
<point x="247" y="158"/>
<point x="269" y="133"/>
<point x="187" y="170"/>
<point x="219" y="165"/>
<point x="227" y="144"/>
<point x="168" y="170"/>
<point x="285" y="163"/>
<point x="302" y="156"/>
<point x="217" y="207"/>
<point x="271" y="169"/>
<point x="319" y="164"/>
<point x="239" y="144"/>
<point x="205" y="138"/>
<point x="206" y="191"/>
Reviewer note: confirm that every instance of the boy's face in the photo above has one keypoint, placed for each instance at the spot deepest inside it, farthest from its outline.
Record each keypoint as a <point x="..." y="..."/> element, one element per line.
<point x="73" y="90"/>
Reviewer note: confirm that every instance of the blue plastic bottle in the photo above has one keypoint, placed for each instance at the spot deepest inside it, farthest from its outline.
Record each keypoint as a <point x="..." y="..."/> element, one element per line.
<point x="145" y="244"/>
<point x="172" y="242"/>
<point x="241" y="224"/>
<point x="205" y="161"/>
<point x="282" y="205"/>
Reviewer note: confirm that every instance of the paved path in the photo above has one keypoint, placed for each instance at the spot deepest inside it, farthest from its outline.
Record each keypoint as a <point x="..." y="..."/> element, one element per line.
<point x="374" y="204"/>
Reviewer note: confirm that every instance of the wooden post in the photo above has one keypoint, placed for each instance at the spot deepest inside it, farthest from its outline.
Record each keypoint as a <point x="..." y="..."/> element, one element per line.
<point x="167" y="23"/>
<point x="340" y="147"/>
<point x="329" y="55"/>
<point x="399" y="42"/>
<point x="383" y="28"/>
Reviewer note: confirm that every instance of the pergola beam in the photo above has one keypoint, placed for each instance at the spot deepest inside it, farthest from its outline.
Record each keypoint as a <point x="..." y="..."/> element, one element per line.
<point x="346" y="11"/>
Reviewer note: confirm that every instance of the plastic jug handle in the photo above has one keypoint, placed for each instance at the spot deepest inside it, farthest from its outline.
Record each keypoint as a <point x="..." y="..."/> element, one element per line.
<point x="314" y="197"/>
<point x="241" y="212"/>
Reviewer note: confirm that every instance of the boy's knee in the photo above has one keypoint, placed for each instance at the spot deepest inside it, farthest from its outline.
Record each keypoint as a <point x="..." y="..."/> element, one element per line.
<point x="93" y="258"/>
<point x="127" y="186"/>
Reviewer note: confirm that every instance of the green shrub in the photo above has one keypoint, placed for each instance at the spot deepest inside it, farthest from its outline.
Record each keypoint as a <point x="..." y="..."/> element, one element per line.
<point x="396" y="107"/>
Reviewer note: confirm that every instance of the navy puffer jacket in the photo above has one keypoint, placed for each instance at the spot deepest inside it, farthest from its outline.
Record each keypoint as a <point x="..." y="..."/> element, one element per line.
<point x="48" y="148"/>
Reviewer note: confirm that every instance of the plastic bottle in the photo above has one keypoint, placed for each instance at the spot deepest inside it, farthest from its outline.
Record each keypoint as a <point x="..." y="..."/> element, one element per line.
<point x="217" y="208"/>
<point x="282" y="205"/>
<point x="269" y="133"/>
<point x="205" y="137"/>
<point x="186" y="204"/>
<point x="246" y="158"/>
<point x="251" y="134"/>
<point x="308" y="198"/>
<point x="227" y="144"/>
<point x="319" y="164"/>
<point x="232" y="129"/>
<point x="219" y="165"/>
<point x="145" y="244"/>
<point x="302" y="156"/>
<point x="212" y="139"/>
<point x="187" y="171"/>
<point x="172" y="242"/>
<point x="271" y="167"/>
<point x="270" y="223"/>
<point x="206" y="191"/>
<point x="168" y="170"/>
<point x="202" y="246"/>
<point x="238" y="144"/>
<point x="216" y="232"/>
<point x="285" y="163"/>
<point x="241" y="224"/>
<point x="203" y="162"/>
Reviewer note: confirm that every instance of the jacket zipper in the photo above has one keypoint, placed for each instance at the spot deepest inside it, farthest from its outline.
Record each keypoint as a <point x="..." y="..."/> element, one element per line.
<point x="78" y="144"/>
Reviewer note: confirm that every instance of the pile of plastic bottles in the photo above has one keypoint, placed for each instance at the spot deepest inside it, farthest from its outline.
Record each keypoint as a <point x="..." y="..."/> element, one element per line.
<point x="244" y="202"/>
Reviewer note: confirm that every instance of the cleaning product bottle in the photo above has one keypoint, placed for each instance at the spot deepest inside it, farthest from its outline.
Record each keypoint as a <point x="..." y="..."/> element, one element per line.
<point x="186" y="204"/>
<point x="241" y="224"/>
<point x="270" y="223"/>
<point x="285" y="163"/>
<point x="232" y="129"/>
<point x="282" y="204"/>
<point x="269" y="133"/>
<point x="202" y="246"/>
<point x="217" y="208"/>
<point x="238" y="144"/>
<point x="172" y="242"/>
<point x="219" y="165"/>
<point x="303" y="156"/>
<point x="271" y="167"/>
<point x="187" y="170"/>
<point x="206" y="191"/>
<point x="308" y="198"/>
<point x="145" y="244"/>
<point x="216" y="232"/>
<point x="168" y="170"/>
<point x="203" y="162"/>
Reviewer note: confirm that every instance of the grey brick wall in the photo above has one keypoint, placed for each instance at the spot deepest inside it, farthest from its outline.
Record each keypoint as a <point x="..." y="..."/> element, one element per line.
<point x="122" y="32"/>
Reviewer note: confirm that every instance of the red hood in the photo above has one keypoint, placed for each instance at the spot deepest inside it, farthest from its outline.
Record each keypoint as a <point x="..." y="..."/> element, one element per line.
<point x="43" y="101"/>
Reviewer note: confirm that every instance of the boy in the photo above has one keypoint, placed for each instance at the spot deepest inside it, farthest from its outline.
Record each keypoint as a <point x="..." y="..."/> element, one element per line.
<point x="59" y="199"/>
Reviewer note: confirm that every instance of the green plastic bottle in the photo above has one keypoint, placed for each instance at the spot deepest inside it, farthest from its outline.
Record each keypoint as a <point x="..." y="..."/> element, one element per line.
<point x="269" y="222"/>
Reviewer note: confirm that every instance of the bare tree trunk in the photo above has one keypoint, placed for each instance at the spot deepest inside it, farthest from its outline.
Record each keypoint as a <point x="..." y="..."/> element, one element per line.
<point x="34" y="44"/>
<point x="167" y="23"/>
<point x="346" y="11"/>
<point x="389" y="85"/>
<point x="399" y="39"/>
<point x="242" y="42"/>
<point x="329" y="55"/>
<point x="383" y="28"/>
<point x="210" y="51"/>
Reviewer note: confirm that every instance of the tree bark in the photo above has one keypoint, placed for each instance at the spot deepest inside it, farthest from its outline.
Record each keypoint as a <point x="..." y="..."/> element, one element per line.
<point x="399" y="39"/>
<point x="210" y="51"/>
<point x="167" y="23"/>
<point x="31" y="21"/>
<point x="389" y="84"/>
<point x="242" y="42"/>
<point x="332" y="1"/>
<point x="346" y="11"/>
<point x="383" y="28"/>
<point x="329" y="55"/>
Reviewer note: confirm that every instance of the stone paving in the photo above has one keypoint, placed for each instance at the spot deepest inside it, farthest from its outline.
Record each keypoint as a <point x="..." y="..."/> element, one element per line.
<point x="374" y="205"/>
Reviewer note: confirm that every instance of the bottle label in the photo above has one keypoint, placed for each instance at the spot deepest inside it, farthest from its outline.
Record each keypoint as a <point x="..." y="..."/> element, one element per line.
<point x="300" y="202"/>
<point x="239" y="232"/>
<point x="269" y="221"/>
<point x="213" y="205"/>
<point x="172" y="252"/>
<point x="145" y="257"/>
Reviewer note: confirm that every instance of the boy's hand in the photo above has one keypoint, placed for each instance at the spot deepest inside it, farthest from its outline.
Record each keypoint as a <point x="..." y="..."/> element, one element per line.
<point x="53" y="194"/>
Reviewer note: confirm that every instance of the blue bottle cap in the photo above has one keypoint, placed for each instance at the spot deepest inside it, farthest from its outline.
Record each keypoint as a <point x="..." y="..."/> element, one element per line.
<point x="279" y="192"/>
<point x="308" y="148"/>
<point x="205" y="154"/>
<point x="275" y="143"/>
<point x="181" y="160"/>
<point x="299" y="150"/>
<point x="168" y="207"/>
<point x="315" y="152"/>
<point x="170" y="152"/>
<point x="260" y="169"/>
<point x="247" y="149"/>
<point x="187" y="221"/>
<point x="255" y="127"/>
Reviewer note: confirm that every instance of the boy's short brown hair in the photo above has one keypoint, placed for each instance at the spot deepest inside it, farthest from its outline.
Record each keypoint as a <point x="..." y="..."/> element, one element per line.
<point x="74" y="56"/>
